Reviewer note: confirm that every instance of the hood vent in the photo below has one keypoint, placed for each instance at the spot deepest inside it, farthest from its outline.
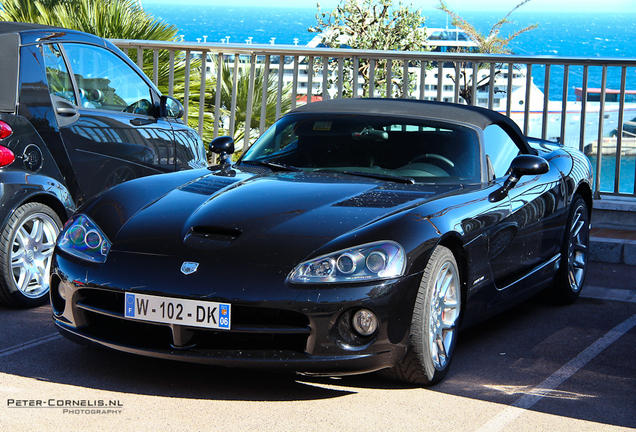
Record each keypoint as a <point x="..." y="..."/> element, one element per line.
<point x="379" y="199"/>
<point x="254" y="169"/>
<point x="209" y="238"/>
<point x="208" y="185"/>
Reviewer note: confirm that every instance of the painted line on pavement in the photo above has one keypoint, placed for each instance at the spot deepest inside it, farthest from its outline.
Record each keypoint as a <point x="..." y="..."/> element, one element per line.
<point x="33" y="343"/>
<point x="504" y="418"/>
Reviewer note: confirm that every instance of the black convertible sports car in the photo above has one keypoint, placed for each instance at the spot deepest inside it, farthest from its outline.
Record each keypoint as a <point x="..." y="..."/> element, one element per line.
<point x="355" y="235"/>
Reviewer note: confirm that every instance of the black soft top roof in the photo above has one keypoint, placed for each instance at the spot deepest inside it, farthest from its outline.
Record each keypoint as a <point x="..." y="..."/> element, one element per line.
<point x="15" y="27"/>
<point x="442" y="111"/>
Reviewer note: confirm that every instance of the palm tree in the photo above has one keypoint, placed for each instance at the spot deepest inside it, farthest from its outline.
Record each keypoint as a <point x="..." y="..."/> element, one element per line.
<point x="121" y="19"/>
<point x="242" y="93"/>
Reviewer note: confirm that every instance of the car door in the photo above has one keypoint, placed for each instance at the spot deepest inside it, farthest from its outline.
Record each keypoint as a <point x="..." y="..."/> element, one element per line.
<point x="107" y="117"/>
<point x="529" y="237"/>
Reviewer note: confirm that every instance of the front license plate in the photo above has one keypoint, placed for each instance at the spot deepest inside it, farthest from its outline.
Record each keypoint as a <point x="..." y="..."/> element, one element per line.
<point x="168" y="310"/>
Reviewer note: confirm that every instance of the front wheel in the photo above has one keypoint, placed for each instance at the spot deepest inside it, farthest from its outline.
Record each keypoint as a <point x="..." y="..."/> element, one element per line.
<point x="26" y="249"/>
<point x="434" y="325"/>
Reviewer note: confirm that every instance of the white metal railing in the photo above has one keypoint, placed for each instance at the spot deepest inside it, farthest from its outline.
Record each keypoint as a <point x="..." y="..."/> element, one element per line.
<point x="588" y="125"/>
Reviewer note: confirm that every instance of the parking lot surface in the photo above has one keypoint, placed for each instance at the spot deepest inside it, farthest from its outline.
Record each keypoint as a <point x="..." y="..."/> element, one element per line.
<point x="535" y="367"/>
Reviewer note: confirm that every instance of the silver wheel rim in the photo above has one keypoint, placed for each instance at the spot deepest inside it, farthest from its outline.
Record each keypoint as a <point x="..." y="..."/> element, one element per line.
<point x="577" y="249"/>
<point x="31" y="251"/>
<point x="445" y="307"/>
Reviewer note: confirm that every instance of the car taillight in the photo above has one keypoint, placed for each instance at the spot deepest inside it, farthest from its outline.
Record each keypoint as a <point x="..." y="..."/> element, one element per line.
<point x="5" y="130"/>
<point x="6" y="157"/>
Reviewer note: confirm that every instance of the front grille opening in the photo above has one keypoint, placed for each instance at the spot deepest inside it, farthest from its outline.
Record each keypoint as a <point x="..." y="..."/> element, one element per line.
<point x="253" y="316"/>
<point x="110" y="301"/>
<point x="159" y="337"/>
<point x="253" y="328"/>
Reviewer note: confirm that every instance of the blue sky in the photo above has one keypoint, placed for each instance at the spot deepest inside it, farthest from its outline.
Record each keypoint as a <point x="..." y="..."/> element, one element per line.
<point x="459" y="6"/>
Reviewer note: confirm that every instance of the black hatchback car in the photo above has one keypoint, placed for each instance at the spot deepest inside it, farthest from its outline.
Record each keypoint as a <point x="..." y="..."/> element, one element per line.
<point x="76" y="118"/>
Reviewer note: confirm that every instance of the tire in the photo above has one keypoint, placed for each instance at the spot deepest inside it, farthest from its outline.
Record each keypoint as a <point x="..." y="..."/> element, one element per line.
<point x="435" y="323"/>
<point x="26" y="249"/>
<point x="574" y="254"/>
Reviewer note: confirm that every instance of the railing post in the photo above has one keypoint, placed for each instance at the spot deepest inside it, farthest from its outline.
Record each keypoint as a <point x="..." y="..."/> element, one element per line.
<point x="526" y="108"/>
<point x="281" y="75"/>
<point x="546" y="103"/>
<point x="310" y="81"/>
<point x="264" y="93"/>
<point x="217" y="98"/>
<point x="599" y="145"/>
<point x="250" y="102"/>
<point x="440" y="78"/>
<point x="204" y="58"/>
<point x="295" y="83"/>
<point x="491" y="86"/>
<point x="564" y="103"/>
<point x="186" y="87"/>
<point x="171" y="74"/>
<point x="325" y="78"/>
<point x="371" y="77"/>
<point x="340" y="77"/>
<point x="583" y="109"/>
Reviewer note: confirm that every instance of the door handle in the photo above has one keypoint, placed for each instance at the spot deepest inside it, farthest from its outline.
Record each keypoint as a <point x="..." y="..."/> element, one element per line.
<point x="65" y="109"/>
<point x="142" y="121"/>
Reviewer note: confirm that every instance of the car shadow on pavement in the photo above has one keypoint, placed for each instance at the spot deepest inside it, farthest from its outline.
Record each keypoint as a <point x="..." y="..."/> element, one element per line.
<point x="497" y="361"/>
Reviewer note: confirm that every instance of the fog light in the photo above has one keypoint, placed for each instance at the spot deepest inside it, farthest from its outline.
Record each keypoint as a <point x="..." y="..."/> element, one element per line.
<point x="365" y="322"/>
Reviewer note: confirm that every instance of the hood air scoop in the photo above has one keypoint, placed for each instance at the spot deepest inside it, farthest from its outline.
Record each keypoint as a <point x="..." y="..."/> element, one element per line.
<point x="209" y="238"/>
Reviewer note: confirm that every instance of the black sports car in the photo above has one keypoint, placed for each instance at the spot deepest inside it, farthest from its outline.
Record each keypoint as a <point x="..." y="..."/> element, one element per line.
<point x="355" y="235"/>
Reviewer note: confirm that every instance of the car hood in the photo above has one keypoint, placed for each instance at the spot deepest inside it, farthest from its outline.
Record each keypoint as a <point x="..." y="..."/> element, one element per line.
<point x="275" y="219"/>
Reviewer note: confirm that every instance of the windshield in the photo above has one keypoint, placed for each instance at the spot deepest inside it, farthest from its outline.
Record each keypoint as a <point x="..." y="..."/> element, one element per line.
<point x="418" y="149"/>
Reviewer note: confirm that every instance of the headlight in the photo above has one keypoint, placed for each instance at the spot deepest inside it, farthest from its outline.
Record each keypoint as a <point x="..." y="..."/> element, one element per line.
<point x="83" y="239"/>
<point x="373" y="261"/>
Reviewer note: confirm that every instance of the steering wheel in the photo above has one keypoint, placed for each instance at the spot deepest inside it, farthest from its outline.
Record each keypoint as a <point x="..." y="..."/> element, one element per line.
<point x="429" y="156"/>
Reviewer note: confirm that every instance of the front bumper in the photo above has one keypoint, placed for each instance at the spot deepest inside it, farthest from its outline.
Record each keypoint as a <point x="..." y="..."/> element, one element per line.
<point x="275" y="325"/>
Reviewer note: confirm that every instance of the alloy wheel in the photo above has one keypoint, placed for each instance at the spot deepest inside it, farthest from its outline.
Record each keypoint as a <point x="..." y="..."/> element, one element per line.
<point x="31" y="252"/>
<point x="444" y="312"/>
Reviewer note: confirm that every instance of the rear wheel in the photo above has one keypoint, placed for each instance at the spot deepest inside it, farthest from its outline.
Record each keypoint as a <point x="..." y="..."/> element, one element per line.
<point x="434" y="325"/>
<point x="26" y="248"/>
<point x="574" y="254"/>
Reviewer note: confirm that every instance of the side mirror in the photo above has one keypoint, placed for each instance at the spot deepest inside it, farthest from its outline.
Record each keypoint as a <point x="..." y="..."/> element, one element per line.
<point x="520" y="166"/>
<point x="170" y="107"/>
<point x="224" y="147"/>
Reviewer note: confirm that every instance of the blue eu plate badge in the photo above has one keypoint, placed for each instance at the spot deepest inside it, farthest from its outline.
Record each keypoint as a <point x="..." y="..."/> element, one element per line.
<point x="130" y="305"/>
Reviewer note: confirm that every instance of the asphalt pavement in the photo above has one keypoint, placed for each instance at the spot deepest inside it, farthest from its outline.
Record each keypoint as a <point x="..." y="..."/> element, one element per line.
<point x="535" y="367"/>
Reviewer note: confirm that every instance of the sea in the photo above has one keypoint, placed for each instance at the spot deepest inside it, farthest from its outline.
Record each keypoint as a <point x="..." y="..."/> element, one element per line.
<point x="598" y="35"/>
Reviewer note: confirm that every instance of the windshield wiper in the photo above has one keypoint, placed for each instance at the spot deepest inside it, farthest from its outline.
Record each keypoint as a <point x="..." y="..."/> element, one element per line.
<point x="272" y="165"/>
<point x="387" y="177"/>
